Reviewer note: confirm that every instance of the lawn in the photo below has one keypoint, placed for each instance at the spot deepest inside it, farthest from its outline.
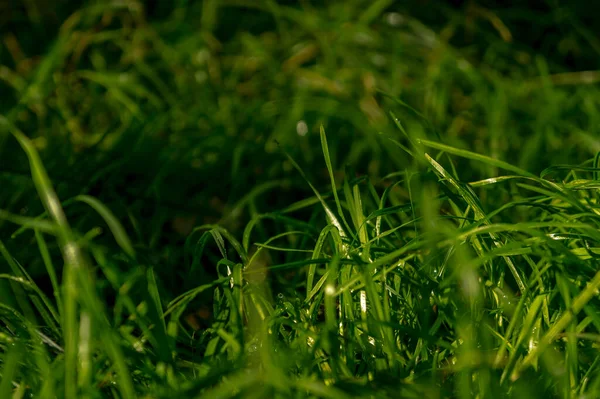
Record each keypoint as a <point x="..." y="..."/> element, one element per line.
<point x="299" y="199"/>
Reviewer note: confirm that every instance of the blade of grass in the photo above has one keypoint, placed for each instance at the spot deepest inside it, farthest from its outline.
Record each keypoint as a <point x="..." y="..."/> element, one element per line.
<point x="476" y="157"/>
<point x="114" y="225"/>
<point x="76" y="271"/>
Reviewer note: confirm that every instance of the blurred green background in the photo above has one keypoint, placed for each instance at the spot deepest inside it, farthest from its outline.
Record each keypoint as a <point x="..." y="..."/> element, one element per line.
<point x="170" y="112"/>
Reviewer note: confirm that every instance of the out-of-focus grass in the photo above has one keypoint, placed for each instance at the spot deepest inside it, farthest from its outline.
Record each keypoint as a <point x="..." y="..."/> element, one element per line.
<point x="177" y="223"/>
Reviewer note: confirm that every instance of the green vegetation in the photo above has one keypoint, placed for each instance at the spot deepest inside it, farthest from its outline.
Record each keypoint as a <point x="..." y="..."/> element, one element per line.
<point x="261" y="199"/>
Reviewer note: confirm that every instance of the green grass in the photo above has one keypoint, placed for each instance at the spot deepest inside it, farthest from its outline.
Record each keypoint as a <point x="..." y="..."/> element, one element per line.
<point x="231" y="199"/>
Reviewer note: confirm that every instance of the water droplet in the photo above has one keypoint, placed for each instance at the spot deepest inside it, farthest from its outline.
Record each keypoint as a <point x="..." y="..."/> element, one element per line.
<point x="301" y="128"/>
<point x="394" y="19"/>
<point x="330" y="289"/>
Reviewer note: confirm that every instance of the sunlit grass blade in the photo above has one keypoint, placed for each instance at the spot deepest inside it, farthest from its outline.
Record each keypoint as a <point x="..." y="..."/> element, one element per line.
<point x="338" y="204"/>
<point x="476" y="157"/>
<point x="331" y="217"/>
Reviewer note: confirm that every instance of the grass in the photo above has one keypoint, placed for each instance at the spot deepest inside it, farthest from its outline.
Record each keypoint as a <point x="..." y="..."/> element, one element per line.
<point x="229" y="199"/>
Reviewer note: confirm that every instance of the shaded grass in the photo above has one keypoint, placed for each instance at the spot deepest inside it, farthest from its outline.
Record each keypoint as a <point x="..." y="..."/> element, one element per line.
<point x="177" y="222"/>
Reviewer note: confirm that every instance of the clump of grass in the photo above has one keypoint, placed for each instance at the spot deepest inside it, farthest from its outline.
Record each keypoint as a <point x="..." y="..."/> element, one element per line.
<point x="416" y="290"/>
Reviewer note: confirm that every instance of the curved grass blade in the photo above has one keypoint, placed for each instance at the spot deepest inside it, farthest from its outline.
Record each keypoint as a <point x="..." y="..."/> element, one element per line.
<point x="476" y="157"/>
<point x="331" y="218"/>
<point x="29" y="223"/>
<point x="47" y="259"/>
<point x="325" y="148"/>
<point x="218" y="233"/>
<point x="310" y="277"/>
<point x="114" y="225"/>
<point x="306" y="227"/>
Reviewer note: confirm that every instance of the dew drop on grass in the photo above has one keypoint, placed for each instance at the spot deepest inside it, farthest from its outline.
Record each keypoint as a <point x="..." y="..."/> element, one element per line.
<point x="533" y="342"/>
<point x="363" y="302"/>
<point x="301" y="128"/>
<point x="394" y="19"/>
<point x="330" y="289"/>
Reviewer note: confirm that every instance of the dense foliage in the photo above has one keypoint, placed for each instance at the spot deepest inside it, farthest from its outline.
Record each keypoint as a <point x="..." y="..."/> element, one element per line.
<point x="253" y="199"/>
